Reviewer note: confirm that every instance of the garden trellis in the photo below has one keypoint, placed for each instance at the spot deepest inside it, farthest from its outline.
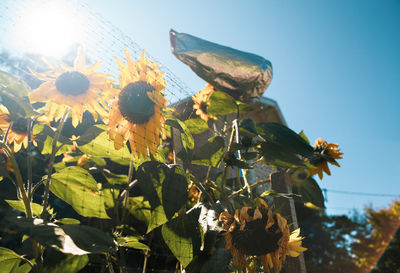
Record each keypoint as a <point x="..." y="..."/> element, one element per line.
<point x="91" y="138"/>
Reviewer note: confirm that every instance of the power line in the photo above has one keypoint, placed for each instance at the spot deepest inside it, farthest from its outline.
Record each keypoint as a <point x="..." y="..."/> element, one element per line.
<point x="362" y="193"/>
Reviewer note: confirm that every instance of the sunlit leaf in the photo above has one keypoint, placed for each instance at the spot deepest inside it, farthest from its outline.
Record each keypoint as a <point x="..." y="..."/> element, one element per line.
<point x="103" y="146"/>
<point x="196" y="125"/>
<point x="210" y="153"/>
<point x="14" y="95"/>
<point x="221" y="104"/>
<point x="72" y="239"/>
<point x="183" y="237"/>
<point x="186" y="135"/>
<point x="77" y="187"/>
<point x="69" y="264"/>
<point x="165" y="187"/>
<point x="8" y="259"/>
<point x="132" y="242"/>
<point x="19" y="205"/>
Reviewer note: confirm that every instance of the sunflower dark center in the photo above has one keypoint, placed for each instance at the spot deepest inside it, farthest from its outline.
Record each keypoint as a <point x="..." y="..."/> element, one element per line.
<point x="134" y="103"/>
<point x="321" y="154"/>
<point x="72" y="83"/>
<point x="203" y="107"/>
<point x="254" y="240"/>
<point x="20" y="126"/>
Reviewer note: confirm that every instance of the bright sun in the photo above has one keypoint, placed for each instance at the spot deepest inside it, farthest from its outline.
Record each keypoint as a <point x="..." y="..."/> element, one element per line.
<point x="49" y="31"/>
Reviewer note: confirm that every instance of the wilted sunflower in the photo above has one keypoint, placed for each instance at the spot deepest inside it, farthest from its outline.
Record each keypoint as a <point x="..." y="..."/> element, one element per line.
<point x="18" y="133"/>
<point x="79" y="88"/>
<point x="260" y="233"/>
<point x="136" y="114"/>
<point x="201" y="102"/>
<point x="324" y="153"/>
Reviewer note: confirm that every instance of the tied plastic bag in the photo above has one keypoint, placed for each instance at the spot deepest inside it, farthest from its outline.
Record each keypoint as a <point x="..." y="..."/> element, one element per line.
<point x="242" y="75"/>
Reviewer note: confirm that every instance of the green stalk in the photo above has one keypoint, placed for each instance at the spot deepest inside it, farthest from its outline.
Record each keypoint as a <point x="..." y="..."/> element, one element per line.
<point x="54" y="150"/>
<point x="29" y="158"/>
<point x="20" y="182"/>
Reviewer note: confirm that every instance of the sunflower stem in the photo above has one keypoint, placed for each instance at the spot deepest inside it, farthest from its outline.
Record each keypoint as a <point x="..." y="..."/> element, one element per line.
<point x="54" y="150"/>
<point x="20" y="183"/>
<point x="29" y="158"/>
<point x="8" y="130"/>
<point x="126" y="195"/>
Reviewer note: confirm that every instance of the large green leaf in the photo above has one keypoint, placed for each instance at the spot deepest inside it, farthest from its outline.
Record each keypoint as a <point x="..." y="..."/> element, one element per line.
<point x="221" y="104"/>
<point x="165" y="187"/>
<point x="196" y="125"/>
<point x="132" y="242"/>
<point x="19" y="205"/>
<point x="69" y="264"/>
<point x="279" y="156"/>
<point x="14" y="95"/>
<point x="309" y="190"/>
<point x="44" y="137"/>
<point x="103" y="146"/>
<point x="71" y="239"/>
<point x="77" y="187"/>
<point x="279" y="134"/>
<point x="183" y="236"/>
<point x="8" y="260"/>
<point x="140" y="209"/>
<point x="186" y="135"/>
<point x="210" y="153"/>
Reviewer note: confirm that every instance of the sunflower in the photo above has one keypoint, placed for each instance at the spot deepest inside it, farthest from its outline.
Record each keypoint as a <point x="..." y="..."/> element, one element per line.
<point x="253" y="234"/>
<point x="136" y="114"/>
<point x="201" y="102"/>
<point x="324" y="153"/>
<point x="78" y="87"/>
<point x="18" y="133"/>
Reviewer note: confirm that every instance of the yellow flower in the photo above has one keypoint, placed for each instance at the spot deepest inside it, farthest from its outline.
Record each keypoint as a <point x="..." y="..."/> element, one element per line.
<point x="201" y="102"/>
<point x="260" y="233"/>
<point x="324" y="153"/>
<point x="18" y="134"/>
<point x="136" y="114"/>
<point x="79" y="88"/>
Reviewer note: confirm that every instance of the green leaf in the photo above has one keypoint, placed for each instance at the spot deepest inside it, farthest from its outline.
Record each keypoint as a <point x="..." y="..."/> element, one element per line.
<point x="116" y="179"/>
<point x="68" y="221"/>
<point x="77" y="187"/>
<point x="44" y="135"/>
<point x="210" y="153"/>
<point x="221" y="104"/>
<point x="19" y="205"/>
<point x="279" y="134"/>
<point x="303" y="136"/>
<point x="90" y="134"/>
<point x="14" y="95"/>
<point x="196" y="125"/>
<point x="186" y="135"/>
<point x="24" y="268"/>
<point x="132" y="242"/>
<point x="309" y="191"/>
<point x="165" y="186"/>
<point x="247" y="127"/>
<point x="183" y="237"/>
<point x="140" y="209"/>
<point x="276" y="155"/>
<point x="8" y="259"/>
<point x="103" y="146"/>
<point x="69" y="264"/>
<point x="71" y="239"/>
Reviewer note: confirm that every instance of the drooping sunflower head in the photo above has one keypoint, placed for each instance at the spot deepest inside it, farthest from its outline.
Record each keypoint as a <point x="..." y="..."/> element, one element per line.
<point x="78" y="87"/>
<point x="258" y="233"/>
<point x="324" y="153"/>
<point x="201" y="102"/>
<point x="18" y="132"/>
<point x="137" y="113"/>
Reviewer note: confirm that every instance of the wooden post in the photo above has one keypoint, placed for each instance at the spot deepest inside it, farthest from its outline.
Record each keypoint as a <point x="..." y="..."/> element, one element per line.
<point x="280" y="182"/>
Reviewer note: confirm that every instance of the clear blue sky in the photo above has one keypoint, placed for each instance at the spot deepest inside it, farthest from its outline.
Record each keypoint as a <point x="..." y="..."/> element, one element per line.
<point x="336" y="72"/>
